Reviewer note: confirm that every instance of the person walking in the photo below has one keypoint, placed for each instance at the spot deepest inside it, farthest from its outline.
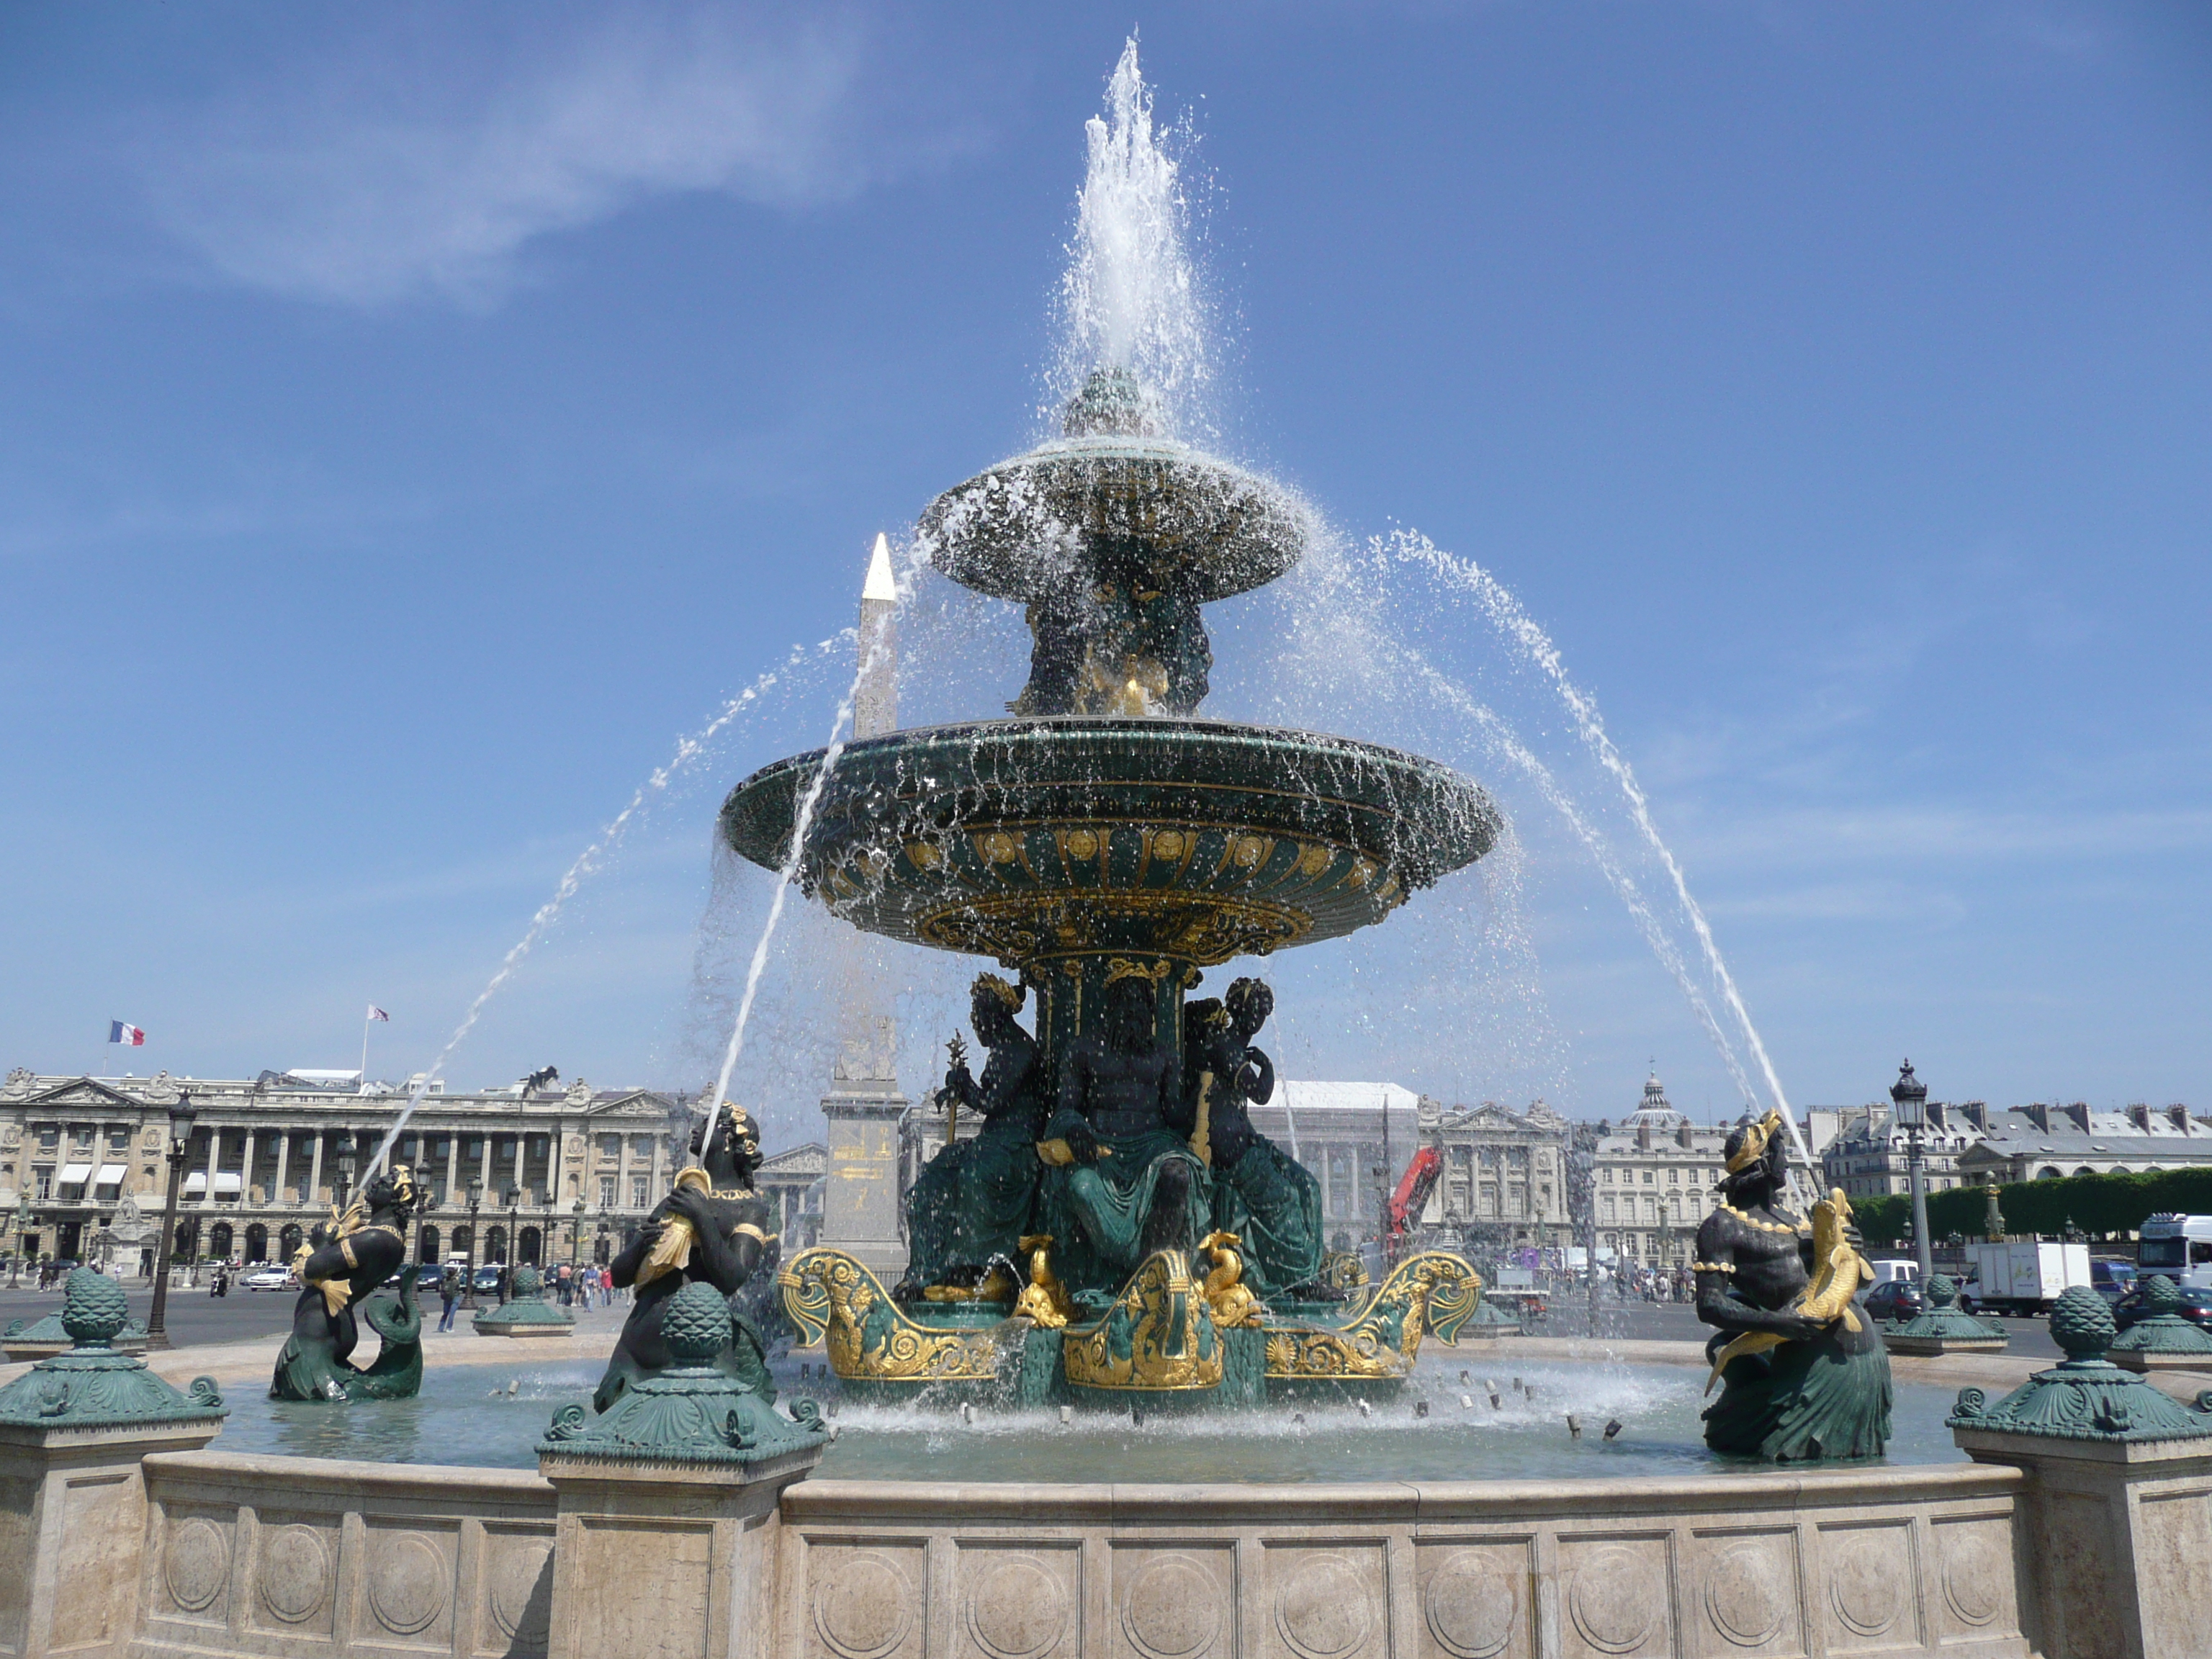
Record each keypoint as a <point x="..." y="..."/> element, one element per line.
<point x="449" y="1292"/>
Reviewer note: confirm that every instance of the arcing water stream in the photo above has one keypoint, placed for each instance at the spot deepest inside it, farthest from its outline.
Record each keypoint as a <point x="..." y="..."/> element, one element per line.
<point x="590" y="860"/>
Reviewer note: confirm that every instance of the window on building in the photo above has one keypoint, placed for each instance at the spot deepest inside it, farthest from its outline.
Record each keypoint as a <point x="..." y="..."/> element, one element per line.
<point x="119" y="1137"/>
<point x="1647" y="1177"/>
<point x="606" y="1192"/>
<point x="610" y="1146"/>
<point x="80" y="1134"/>
<point x="1674" y="1177"/>
<point x="42" y="1180"/>
<point x="641" y="1192"/>
<point x="50" y="1137"/>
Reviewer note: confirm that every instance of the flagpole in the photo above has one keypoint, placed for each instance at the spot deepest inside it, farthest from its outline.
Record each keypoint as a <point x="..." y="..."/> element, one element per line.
<point x="363" y="1084"/>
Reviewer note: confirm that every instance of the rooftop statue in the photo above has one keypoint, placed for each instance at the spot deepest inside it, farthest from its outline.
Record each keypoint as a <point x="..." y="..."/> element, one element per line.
<point x="712" y="1227"/>
<point x="367" y="1246"/>
<point x="1803" y="1370"/>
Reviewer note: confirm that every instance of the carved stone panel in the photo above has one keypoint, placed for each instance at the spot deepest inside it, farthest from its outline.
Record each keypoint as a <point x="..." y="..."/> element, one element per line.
<point x="1617" y="1595"/>
<point x="1745" y="1584"/>
<point x="102" y="1520"/>
<point x="1867" y="1591"/>
<point x="665" y="1572"/>
<point x="516" y="1612"/>
<point x="408" y="1585"/>
<point x="295" y="1565"/>
<point x="1475" y="1600"/>
<point x="194" y="1580"/>
<point x="1325" y="1602"/>
<point x="1173" y="1600"/>
<point x="864" y="1601"/>
<point x="1974" y="1565"/>
<point x="1019" y="1601"/>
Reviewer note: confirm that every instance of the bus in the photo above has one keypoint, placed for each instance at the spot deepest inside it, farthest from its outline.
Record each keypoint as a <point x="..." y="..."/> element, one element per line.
<point x="2178" y="1246"/>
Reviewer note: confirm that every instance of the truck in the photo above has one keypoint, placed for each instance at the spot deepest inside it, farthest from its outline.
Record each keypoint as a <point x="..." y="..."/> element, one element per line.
<point x="2024" y="1278"/>
<point x="2178" y="1246"/>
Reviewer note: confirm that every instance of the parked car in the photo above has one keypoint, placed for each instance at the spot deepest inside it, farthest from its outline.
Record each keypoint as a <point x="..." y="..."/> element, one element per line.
<point x="2196" y="1307"/>
<point x="487" y="1279"/>
<point x="270" y="1279"/>
<point x="2112" y="1280"/>
<point x="1896" y="1298"/>
<point x="427" y="1278"/>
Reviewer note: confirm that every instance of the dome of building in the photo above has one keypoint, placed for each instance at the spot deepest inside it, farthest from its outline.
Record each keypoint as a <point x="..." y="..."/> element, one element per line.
<point x="1653" y="1110"/>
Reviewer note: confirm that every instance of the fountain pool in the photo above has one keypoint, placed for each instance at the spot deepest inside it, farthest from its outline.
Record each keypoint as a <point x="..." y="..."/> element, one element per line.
<point x="465" y="1415"/>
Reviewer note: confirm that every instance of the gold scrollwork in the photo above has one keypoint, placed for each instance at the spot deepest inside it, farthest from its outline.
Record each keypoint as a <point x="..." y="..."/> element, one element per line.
<point x="1433" y="1293"/>
<point x="1157" y="1336"/>
<point x="1204" y="928"/>
<point x="830" y="1296"/>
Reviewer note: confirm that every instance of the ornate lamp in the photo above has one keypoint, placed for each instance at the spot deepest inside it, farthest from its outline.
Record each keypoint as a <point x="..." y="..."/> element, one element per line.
<point x="1909" y="1097"/>
<point x="182" y="1112"/>
<point x="476" y="1203"/>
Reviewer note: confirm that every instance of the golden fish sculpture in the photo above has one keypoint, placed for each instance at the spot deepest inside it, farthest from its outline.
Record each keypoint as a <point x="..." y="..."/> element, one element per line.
<point x="1838" y="1271"/>
<point x="672" y="1250"/>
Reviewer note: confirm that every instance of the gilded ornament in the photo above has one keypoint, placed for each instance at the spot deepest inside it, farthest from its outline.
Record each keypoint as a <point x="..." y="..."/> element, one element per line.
<point x="1043" y="1300"/>
<point x="1433" y="1293"/>
<point x="1158" y="1336"/>
<point x="1229" y="1297"/>
<point x="831" y="1297"/>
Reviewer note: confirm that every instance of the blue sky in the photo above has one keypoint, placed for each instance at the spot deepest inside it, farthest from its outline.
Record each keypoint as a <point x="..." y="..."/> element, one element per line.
<point x="416" y="419"/>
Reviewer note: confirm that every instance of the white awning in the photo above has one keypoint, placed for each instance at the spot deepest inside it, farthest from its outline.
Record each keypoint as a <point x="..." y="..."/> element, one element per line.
<point x="74" y="1174"/>
<point x="196" y="1182"/>
<point x="227" y="1180"/>
<point x="111" y="1174"/>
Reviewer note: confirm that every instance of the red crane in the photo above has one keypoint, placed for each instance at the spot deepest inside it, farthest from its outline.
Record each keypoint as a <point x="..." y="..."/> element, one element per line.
<point x="1409" y="1201"/>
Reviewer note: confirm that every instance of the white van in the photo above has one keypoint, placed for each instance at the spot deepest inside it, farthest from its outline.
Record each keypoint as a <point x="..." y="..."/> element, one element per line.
<point x="2178" y="1246"/>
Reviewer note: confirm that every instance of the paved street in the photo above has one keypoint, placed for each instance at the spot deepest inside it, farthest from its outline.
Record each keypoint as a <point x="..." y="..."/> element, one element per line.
<point x="1678" y="1322"/>
<point x="196" y="1318"/>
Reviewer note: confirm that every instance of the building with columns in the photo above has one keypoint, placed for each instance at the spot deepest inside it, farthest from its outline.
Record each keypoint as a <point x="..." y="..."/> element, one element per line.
<point x="561" y="1173"/>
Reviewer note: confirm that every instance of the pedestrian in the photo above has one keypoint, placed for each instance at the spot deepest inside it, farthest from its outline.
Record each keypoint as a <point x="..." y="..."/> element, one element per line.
<point x="566" y="1282"/>
<point x="449" y="1292"/>
<point x="606" y="1287"/>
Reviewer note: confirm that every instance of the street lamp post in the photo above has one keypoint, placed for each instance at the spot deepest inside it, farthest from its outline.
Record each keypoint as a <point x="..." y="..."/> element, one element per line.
<point x="514" y="1232"/>
<point x="345" y="1180"/>
<point x="476" y="1201"/>
<point x="22" y="1226"/>
<point x="576" y="1234"/>
<point x="181" y="1115"/>
<point x="1910" y="1097"/>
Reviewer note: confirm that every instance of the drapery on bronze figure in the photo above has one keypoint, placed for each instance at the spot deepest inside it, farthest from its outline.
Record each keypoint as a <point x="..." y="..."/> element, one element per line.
<point x="971" y="1206"/>
<point x="1803" y="1370"/>
<point x="712" y="1227"/>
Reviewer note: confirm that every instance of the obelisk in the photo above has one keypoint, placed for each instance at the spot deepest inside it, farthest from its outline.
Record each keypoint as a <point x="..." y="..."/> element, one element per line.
<point x="861" y="1209"/>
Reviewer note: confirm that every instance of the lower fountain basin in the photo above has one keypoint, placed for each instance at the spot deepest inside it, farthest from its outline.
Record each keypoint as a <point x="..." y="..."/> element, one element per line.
<point x="465" y="1416"/>
<point x="1031" y="838"/>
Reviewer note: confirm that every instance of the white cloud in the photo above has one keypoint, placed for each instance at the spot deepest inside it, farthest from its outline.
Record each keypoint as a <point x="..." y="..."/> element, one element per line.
<point x="395" y="180"/>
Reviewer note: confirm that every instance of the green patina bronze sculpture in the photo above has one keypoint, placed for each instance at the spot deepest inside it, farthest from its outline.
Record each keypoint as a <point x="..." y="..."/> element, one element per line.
<point x="367" y="1246"/>
<point x="713" y="1229"/>
<point x="1106" y="846"/>
<point x="1804" y="1372"/>
<point x="970" y="1207"/>
<point x="1124" y="1183"/>
<point x="1263" y="1195"/>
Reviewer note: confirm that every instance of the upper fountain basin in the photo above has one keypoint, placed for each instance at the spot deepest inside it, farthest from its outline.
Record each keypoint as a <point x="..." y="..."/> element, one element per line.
<point x="1189" y="523"/>
<point x="1029" y="839"/>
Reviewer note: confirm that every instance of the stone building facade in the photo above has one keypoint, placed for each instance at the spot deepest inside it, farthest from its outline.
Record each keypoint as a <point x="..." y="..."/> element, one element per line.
<point x="1657" y="1176"/>
<point x="2042" y="1142"/>
<point x="1867" y="1158"/>
<point x="563" y="1173"/>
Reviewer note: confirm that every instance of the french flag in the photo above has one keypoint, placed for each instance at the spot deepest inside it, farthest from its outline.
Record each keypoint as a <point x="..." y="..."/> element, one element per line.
<point x="129" y="1036"/>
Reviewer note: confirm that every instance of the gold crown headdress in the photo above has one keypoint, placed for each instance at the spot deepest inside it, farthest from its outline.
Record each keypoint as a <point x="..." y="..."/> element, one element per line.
<point x="1755" y="1138"/>
<point x="1006" y="991"/>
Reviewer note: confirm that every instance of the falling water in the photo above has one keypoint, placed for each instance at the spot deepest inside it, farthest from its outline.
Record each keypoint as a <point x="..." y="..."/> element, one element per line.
<point x="1131" y="297"/>
<point x="789" y="873"/>
<point x="590" y="860"/>
<point x="1505" y="613"/>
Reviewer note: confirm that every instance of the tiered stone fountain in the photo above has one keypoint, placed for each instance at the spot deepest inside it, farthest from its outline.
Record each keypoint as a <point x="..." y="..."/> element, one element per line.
<point x="1105" y="831"/>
